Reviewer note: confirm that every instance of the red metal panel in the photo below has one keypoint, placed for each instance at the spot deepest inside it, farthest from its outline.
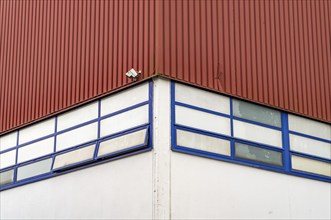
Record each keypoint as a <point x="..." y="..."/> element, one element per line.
<point x="57" y="54"/>
<point x="271" y="52"/>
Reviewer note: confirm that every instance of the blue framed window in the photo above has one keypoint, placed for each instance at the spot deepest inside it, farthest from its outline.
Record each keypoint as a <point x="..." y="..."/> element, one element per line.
<point x="110" y="128"/>
<point x="223" y="128"/>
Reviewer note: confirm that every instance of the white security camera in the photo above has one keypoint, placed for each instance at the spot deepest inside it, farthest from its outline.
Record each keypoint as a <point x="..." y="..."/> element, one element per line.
<point x="132" y="73"/>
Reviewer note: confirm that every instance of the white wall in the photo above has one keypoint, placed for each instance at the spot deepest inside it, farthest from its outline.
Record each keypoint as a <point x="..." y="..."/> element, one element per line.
<point x="167" y="185"/>
<point x="119" y="189"/>
<point x="208" y="189"/>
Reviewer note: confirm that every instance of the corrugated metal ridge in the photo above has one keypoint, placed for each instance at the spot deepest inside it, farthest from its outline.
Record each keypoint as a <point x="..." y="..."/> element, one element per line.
<point x="54" y="54"/>
<point x="273" y="52"/>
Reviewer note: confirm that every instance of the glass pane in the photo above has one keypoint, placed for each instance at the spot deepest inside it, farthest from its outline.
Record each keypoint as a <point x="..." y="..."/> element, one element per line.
<point x="124" y="99"/>
<point x="256" y="113"/>
<point x="34" y="169"/>
<point x="124" y="121"/>
<point x="311" y="166"/>
<point x="77" y="116"/>
<point x="122" y="142"/>
<point x="248" y="152"/>
<point x="310" y="146"/>
<point x="36" y="149"/>
<point x="7" y="141"/>
<point x="257" y="133"/>
<point x="7" y="159"/>
<point x="6" y="177"/>
<point x="36" y="131"/>
<point x="203" y="142"/>
<point x="73" y="157"/>
<point x="77" y="136"/>
<point x="202" y="120"/>
<point x="202" y="98"/>
<point x="309" y="127"/>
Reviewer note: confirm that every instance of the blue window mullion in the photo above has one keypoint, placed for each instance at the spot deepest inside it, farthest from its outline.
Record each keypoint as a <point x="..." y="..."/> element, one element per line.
<point x="286" y="142"/>
<point x="284" y="129"/>
<point x="173" y="116"/>
<point x="150" y="113"/>
<point x="55" y="137"/>
<point x="232" y="130"/>
<point x="146" y="146"/>
<point x="97" y="144"/>
<point x="16" y="159"/>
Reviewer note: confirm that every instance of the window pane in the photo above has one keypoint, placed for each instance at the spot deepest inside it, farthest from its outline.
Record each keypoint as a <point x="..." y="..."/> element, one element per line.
<point x="77" y="136"/>
<point x="36" y="149"/>
<point x="36" y="131"/>
<point x="7" y="141"/>
<point x="77" y="116"/>
<point x="310" y="146"/>
<point x="203" y="142"/>
<point x="122" y="142"/>
<point x="7" y="159"/>
<point x="256" y="113"/>
<point x="202" y="98"/>
<point x="257" y="133"/>
<point x="309" y="127"/>
<point x="73" y="157"/>
<point x="202" y="120"/>
<point x="311" y="166"/>
<point x="6" y="177"/>
<point x="34" y="169"/>
<point x="124" y="121"/>
<point x="124" y="99"/>
<point x="248" y="152"/>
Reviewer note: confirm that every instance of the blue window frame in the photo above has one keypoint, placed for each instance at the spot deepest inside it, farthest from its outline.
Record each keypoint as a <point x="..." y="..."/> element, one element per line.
<point x="94" y="159"/>
<point x="283" y="153"/>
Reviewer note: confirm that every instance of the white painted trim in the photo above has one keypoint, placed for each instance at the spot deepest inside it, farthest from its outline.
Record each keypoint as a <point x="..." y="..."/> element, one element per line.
<point x="161" y="149"/>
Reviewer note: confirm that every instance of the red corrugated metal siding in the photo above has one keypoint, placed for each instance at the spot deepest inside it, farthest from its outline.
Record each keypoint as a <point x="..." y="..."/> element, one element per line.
<point x="54" y="54"/>
<point x="272" y="52"/>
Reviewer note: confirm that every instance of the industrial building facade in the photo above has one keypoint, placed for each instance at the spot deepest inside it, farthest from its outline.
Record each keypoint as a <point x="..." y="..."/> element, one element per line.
<point x="228" y="119"/>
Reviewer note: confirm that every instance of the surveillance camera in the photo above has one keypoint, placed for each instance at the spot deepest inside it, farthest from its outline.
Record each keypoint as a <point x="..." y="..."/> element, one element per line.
<point x="133" y="74"/>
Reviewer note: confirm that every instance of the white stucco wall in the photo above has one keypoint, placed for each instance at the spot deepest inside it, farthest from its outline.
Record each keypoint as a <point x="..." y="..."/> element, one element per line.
<point x="119" y="189"/>
<point x="209" y="189"/>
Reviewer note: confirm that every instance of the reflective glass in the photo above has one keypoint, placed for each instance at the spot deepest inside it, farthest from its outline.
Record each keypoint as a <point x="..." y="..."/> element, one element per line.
<point x="123" y="142"/>
<point x="8" y="141"/>
<point x="6" y="177"/>
<point x="256" y="113"/>
<point x="73" y="157"/>
<point x="309" y="127"/>
<point x="36" y="131"/>
<point x="310" y="146"/>
<point x="124" y="121"/>
<point x="36" y="149"/>
<point x="34" y="169"/>
<point x="7" y="159"/>
<point x="257" y="133"/>
<point x="249" y="152"/>
<point x="202" y="98"/>
<point x="203" y="142"/>
<point x="311" y="166"/>
<point x="77" y="116"/>
<point x="77" y="136"/>
<point x="124" y="99"/>
<point x="202" y="120"/>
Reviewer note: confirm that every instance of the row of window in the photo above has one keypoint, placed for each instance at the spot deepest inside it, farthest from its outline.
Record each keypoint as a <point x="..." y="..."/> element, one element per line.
<point x="83" y="135"/>
<point x="216" y="126"/>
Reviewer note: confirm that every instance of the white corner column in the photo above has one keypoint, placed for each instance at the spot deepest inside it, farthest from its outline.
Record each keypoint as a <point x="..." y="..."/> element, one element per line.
<point x="161" y="148"/>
